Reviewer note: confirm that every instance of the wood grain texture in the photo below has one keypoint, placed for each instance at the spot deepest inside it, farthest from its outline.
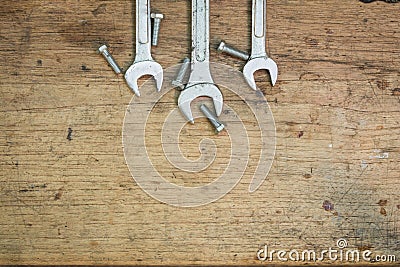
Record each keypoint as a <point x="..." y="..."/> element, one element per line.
<point x="336" y="107"/>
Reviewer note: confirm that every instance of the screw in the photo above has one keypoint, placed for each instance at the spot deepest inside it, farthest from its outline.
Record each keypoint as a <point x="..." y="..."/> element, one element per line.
<point x="212" y="118"/>
<point x="156" y="27"/>
<point x="178" y="82"/>
<point x="104" y="51"/>
<point x="223" y="47"/>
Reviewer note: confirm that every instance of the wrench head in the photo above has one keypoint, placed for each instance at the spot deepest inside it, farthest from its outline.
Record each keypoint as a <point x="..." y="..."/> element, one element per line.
<point x="259" y="63"/>
<point x="139" y="69"/>
<point x="201" y="89"/>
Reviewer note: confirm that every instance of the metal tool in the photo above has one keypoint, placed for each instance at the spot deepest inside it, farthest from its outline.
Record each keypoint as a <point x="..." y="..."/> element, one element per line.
<point x="111" y="61"/>
<point x="157" y="17"/>
<point x="212" y="118"/>
<point x="200" y="81"/>
<point x="144" y="63"/>
<point x="230" y="50"/>
<point x="178" y="82"/>
<point x="259" y="58"/>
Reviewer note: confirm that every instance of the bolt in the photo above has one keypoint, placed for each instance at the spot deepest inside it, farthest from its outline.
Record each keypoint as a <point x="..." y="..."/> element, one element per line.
<point x="156" y="27"/>
<point x="178" y="82"/>
<point x="223" y="47"/>
<point x="212" y="118"/>
<point x="104" y="51"/>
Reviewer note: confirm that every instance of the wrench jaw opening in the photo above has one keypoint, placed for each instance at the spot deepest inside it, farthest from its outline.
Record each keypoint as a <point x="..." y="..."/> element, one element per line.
<point x="204" y="89"/>
<point x="259" y="63"/>
<point x="139" y="69"/>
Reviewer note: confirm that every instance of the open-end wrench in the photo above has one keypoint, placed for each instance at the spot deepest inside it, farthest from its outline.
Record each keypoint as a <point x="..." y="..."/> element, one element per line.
<point x="200" y="81"/>
<point x="259" y="58"/>
<point x="144" y="64"/>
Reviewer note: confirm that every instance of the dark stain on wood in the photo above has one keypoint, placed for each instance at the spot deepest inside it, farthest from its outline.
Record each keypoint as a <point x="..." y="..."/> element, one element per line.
<point x="396" y="91"/>
<point x="382" y="84"/>
<point x="85" y="68"/>
<point x="69" y="135"/>
<point x="59" y="194"/>
<point x="101" y="9"/>
<point x="33" y="188"/>
<point x="382" y="202"/>
<point x="383" y="211"/>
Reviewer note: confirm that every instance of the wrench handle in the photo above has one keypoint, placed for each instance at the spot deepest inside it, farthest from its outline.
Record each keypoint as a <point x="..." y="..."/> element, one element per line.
<point x="143" y="31"/>
<point x="258" y="32"/>
<point x="200" y="31"/>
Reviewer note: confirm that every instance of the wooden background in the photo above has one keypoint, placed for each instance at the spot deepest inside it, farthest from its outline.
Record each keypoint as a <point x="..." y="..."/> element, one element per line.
<point x="73" y="201"/>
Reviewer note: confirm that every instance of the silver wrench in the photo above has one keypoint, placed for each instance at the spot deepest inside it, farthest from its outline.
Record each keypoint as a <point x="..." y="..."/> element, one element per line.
<point x="144" y="64"/>
<point x="200" y="81"/>
<point x="259" y="58"/>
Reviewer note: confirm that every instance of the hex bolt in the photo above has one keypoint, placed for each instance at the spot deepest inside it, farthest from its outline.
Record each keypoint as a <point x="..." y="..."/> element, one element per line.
<point x="156" y="27"/>
<point x="178" y="82"/>
<point x="230" y="50"/>
<point x="104" y="51"/>
<point x="212" y="118"/>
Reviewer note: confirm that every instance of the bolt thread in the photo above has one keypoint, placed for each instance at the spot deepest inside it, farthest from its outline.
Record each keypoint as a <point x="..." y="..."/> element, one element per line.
<point x="233" y="51"/>
<point x="211" y="117"/>
<point x="111" y="61"/>
<point x="113" y="64"/>
<point x="181" y="74"/>
<point x="156" y="31"/>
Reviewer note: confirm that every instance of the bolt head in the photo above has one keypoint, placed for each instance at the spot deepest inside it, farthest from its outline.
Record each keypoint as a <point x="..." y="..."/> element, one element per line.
<point x="156" y="16"/>
<point x="220" y="128"/>
<point x="102" y="48"/>
<point x="221" y="46"/>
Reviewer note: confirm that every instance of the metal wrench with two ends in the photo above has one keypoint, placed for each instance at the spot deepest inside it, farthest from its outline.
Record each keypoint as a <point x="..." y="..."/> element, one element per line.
<point x="144" y="64"/>
<point x="200" y="81"/>
<point x="259" y="58"/>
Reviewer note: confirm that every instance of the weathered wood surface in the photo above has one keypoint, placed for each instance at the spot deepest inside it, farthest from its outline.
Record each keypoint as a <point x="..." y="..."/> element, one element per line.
<point x="336" y="106"/>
